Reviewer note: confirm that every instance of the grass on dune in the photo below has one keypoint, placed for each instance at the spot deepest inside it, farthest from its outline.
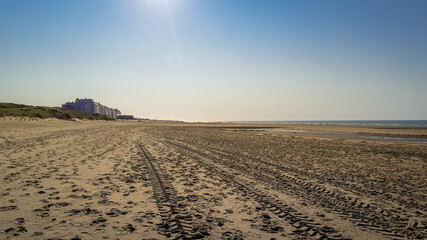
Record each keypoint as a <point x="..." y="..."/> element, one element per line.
<point x="20" y="110"/>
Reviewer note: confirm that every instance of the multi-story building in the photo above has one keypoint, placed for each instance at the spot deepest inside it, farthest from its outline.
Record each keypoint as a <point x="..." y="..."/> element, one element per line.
<point x="90" y="106"/>
<point x="86" y="105"/>
<point x="68" y="105"/>
<point x="115" y="112"/>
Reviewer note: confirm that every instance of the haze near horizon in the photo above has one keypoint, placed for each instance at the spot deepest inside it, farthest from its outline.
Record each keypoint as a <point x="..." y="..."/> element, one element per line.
<point x="219" y="60"/>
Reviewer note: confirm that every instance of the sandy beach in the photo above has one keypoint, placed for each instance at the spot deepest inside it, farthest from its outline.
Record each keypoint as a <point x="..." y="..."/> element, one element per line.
<point x="168" y="180"/>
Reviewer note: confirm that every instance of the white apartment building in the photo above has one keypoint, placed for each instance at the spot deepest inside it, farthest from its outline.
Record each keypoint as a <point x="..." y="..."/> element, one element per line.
<point x="88" y="105"/>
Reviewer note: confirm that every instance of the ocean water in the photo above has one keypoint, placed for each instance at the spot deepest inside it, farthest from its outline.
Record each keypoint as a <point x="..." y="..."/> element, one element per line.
<point x="414" y="123"/>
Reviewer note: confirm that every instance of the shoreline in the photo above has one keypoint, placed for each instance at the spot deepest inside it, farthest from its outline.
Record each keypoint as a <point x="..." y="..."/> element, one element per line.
<point x="391" y="131"/>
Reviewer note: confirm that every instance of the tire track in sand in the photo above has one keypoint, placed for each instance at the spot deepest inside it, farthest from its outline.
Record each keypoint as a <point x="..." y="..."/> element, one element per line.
<point x="303" y="225"/>
<point x="365" y="215"/>
<point x="177" y="222"/>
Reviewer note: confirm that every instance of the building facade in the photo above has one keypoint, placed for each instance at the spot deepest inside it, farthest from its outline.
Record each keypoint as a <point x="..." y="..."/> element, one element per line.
<point x="125" y="117"/>
<point x="68" y="105"/>
<point x="88" y="105"/>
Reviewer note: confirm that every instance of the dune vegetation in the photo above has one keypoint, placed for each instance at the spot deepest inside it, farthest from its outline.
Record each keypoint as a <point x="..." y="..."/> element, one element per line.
<point x="21" y="110"/>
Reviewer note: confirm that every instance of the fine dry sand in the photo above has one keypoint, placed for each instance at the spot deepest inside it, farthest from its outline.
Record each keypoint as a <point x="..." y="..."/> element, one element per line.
<point x="169" y="180"/>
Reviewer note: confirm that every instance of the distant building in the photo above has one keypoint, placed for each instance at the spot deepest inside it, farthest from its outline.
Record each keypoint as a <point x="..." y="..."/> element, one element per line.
<point x="88" y="105"/>
<point x="68" y="105"/>
<point x="126" y="117"/>
<point x="115" y="112"/>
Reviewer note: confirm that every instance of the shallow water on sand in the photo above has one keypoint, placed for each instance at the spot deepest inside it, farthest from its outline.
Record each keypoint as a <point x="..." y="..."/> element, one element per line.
<point x="417" y="123"/>
<point x="350" y="135"/>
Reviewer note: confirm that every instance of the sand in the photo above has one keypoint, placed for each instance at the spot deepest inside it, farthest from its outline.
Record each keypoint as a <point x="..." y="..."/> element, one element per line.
<point x="167" y="180"/>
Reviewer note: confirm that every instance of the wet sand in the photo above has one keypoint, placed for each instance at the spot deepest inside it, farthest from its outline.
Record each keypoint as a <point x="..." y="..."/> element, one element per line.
<point x="166" y="180"/>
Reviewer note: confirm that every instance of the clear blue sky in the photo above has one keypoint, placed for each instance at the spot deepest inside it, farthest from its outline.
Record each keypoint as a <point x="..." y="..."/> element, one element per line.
<point x="208" y="60"/>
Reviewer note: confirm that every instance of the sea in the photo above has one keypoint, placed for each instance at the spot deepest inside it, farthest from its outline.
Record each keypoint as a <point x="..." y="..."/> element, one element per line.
<point x="412" y="123"/>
